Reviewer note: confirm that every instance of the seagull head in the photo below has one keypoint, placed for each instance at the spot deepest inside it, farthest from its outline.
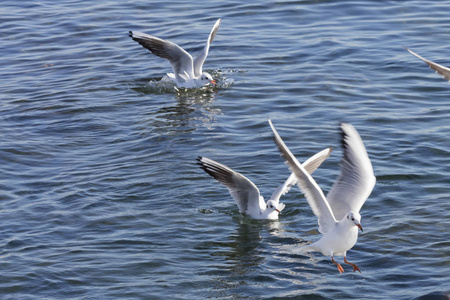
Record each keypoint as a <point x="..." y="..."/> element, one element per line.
<point x="273" y="206"/>
<point x="207" y="78"/>
<point x="354" y="218"/>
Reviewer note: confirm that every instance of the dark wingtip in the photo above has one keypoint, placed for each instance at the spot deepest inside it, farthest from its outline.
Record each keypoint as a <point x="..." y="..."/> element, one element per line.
<point x="200" y="163"/>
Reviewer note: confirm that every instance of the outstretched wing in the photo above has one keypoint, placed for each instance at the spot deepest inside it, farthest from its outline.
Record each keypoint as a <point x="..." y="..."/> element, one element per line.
<point x="310" y="166"/>
<point x="356" y="179"/>
<point x="179" y="59"/>
<point x="243" y="191"/>
<point x="444" y="71"/>
<point x="309" y="187"/>
<point x="200" y="59"/>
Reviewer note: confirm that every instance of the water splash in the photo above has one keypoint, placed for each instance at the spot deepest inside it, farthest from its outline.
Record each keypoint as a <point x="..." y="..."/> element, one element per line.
<point x="165" y="85"/>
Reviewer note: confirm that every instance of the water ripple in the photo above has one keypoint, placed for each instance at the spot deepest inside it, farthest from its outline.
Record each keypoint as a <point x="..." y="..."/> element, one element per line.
<point x="101" y="196"/>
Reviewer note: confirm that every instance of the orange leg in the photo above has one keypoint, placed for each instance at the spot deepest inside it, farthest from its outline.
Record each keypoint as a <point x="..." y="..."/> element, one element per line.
<point x="355" y="267"/>
<point x="340" y="268"/>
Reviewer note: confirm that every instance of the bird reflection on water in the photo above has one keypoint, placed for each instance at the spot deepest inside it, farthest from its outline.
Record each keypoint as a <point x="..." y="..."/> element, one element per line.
<point x="245" y="255"/>
<point x="193" y="108"/>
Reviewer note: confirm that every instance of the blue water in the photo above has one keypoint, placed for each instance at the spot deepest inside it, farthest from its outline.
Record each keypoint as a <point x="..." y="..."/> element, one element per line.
<point x="100" y="194"/>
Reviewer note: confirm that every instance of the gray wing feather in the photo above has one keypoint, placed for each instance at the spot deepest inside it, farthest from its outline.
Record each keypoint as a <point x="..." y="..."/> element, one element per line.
<point x="284" y="188"/>
<point x="243" y="191"/>
<point x="179" y="59"/>
<point x="356" y="179"/>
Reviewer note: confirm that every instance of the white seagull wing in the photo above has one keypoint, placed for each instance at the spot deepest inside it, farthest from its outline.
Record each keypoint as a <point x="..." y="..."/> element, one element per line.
<point x="180" y="60"/>
<point x="243" y="191"/>
<point x="284" y="188"/>
<point x="308" y="186"/>
<point x="444" y="71"/>
<point x="356" y="179"/>
<point x="200" y="59"/>
<point x="310" y="165"/>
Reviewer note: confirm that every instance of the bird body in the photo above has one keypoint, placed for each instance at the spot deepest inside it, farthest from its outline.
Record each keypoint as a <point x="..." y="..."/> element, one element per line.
<point x="341" y="243"/>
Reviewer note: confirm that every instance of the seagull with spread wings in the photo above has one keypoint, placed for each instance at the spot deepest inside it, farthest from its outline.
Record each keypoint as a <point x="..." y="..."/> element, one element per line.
<point x="245" y="192"/>
<point x="338" y="213"/>
<point x="187" y="71"/>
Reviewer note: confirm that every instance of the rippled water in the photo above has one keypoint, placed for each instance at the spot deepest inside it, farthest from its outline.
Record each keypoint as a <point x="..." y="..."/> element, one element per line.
<point x="100" y="194"/>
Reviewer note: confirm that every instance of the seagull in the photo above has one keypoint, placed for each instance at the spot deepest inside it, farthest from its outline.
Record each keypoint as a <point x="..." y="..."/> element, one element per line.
<point x="443" y="71"/>
<point x="245" y="192"/>
<point x="187" y="71"/>
<point x="338" y="213"/>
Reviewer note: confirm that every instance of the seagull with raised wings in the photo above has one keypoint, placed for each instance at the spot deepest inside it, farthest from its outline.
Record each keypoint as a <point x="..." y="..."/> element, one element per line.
<point x="245" y="192"/>
<point x="187" y="71"/>
<point x="338" y="213"/>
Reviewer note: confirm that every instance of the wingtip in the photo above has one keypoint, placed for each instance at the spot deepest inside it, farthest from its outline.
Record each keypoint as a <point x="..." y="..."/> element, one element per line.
<point x="418" y="56"/>
<point x="345" y="130"/>
<point x="274" y="132"/>
<point x="347" y="126"/>
<point x="348" y="129"/>
<point x="414" y="53"/>
<point x="200" y="163"/>
<point x="217" y="24"/>
<point x="328" y="150"/>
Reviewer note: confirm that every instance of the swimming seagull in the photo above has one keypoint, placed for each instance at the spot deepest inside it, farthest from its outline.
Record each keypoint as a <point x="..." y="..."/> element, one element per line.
<point x="245" y="192"/>
<point x="187" y="71"/>
<point x="338" y="213"/>
<point x="444" y="71"/>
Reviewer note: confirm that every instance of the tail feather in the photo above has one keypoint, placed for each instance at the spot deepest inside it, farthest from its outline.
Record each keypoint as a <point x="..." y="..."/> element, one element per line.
<point x="304" y="249"/>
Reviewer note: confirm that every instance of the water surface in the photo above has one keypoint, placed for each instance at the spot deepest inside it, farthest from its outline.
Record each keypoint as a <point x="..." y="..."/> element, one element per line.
<point x="100" y="194"/>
